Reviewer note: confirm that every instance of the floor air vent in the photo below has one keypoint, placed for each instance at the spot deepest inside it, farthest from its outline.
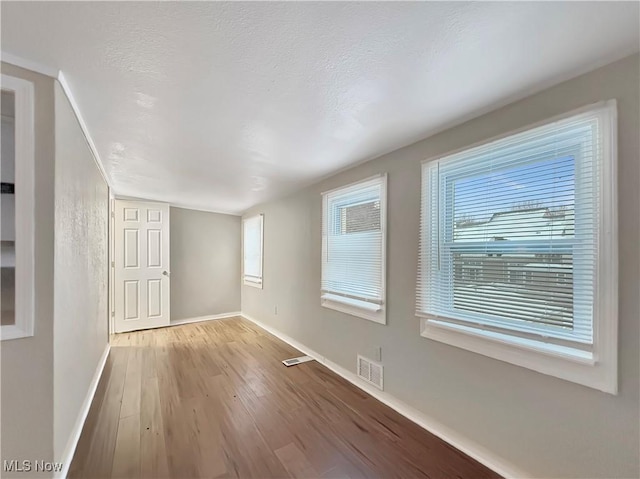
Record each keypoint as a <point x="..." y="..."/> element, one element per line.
<point x="294" y="361"/>
<point x="370" y="371"/>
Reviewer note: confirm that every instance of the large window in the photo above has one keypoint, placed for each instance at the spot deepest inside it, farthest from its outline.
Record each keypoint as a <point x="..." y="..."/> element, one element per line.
<point x="353" y="249"/>
<point x="252" y="236"/>
<point x="518" y="248"/>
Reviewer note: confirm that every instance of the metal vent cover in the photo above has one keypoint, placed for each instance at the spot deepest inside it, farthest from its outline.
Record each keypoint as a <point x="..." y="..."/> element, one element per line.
<point x="294" y="361"/>
<point x="370" y="371"/>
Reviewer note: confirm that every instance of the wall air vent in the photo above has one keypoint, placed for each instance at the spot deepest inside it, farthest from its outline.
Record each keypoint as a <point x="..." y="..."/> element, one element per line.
<point x="370" y="371"/>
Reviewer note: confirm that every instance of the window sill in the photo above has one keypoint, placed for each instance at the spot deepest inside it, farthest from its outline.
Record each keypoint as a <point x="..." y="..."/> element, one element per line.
<point x="256" y="283"/>
<point x="13" y="331"/>
<point x="361" y="309"/>
<point x="563" y="362"/>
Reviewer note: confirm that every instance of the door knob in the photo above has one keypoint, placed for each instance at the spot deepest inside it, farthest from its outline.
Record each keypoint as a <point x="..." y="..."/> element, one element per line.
<point x="166" y="273"/>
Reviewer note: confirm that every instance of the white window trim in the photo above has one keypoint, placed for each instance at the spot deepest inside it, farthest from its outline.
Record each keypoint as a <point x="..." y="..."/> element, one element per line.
<point x="25" y="208"/>
<point x="597" y="368"/>
<point x="354" y="307"/>
<point x="362" y="309"/>
<point x="247" y="280"/>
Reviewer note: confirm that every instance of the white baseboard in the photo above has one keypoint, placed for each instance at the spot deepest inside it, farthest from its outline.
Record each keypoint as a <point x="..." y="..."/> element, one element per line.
<point x="470" y="448"/>
<point x="72" y="443"/>
<point x="176" y="322"/>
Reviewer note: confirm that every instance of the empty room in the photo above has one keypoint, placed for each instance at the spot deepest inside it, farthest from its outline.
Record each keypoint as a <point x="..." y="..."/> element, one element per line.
<point x="320" y="240"/>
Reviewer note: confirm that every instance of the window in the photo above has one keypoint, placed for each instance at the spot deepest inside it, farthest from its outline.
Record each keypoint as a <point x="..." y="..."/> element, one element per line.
<point x="353" y="249"/>
<point x="17" y="207"/>
<point x="518" y="255"/>
<point x="252" y="241"/>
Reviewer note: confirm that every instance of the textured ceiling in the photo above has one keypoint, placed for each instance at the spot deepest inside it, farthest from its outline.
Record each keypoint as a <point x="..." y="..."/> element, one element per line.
<point x="220" y="106"/>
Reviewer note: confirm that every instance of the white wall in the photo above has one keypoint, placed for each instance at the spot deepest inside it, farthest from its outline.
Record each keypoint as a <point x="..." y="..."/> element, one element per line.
<point x="81" y="271"/>
<point x="27" y="364"/>
<point x="205" y="263"/>
<point x="540" y="424"/>
<point x="45" y="378"/>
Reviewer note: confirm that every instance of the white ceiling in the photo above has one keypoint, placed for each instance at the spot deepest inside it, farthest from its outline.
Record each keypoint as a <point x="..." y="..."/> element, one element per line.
<point x="220" y="106"/>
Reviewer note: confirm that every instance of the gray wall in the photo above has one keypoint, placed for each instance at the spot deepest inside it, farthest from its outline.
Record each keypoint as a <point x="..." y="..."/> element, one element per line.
<point x="81" y="271"/>
<point x="27" y="363"/>
<point x="542" y="425"/>
<point x="205" y="263"/>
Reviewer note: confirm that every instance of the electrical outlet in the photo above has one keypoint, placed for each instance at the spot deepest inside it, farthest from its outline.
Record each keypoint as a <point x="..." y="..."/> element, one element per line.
<point x="275" y="310"/>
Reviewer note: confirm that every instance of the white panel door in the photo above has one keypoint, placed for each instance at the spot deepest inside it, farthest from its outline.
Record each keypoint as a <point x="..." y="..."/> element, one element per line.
<point x="141" y="295"/>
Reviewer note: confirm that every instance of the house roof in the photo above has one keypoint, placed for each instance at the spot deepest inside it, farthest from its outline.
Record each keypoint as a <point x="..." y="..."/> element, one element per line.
<point x="529" y="224"/>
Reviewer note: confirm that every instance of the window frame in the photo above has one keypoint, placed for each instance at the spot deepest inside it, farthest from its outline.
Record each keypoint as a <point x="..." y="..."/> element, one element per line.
<point x="593" y="366"/>
<point x="24" y="136"/>
<point x="376" y="313"/>
<point x="250" y="280"/>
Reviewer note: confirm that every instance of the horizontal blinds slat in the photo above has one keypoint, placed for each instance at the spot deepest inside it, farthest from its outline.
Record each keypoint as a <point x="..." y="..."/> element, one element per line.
<point x="549" y="139"/>
<point x="352" y="241"/>
<point x="462" y="168"/>
<point x="509" y="230"/>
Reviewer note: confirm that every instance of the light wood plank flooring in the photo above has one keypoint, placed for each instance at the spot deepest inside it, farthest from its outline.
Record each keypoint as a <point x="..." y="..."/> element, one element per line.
<point x="212" y="399"/>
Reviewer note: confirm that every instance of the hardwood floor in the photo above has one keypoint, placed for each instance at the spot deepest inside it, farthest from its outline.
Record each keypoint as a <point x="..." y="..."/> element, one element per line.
<point x="212" y="399"/>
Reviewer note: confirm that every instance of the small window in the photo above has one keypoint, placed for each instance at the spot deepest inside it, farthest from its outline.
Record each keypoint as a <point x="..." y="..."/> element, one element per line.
<point x="252" y="235"/>
<point x="518" y="249"/>
<point x="353" y="249"/>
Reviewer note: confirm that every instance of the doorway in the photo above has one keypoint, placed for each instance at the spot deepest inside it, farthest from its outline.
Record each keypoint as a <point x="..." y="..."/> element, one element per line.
<point x="140" y="265"/>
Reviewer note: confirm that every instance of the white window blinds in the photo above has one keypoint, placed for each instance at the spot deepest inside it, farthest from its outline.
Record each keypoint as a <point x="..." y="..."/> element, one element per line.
<point x="252" y="250"/>
<point x="510" y="231"/>
<point x="353" y="248"/>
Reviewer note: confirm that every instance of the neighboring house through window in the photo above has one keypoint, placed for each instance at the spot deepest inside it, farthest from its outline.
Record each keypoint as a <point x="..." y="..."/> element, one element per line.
<point x="518" y="249"/>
